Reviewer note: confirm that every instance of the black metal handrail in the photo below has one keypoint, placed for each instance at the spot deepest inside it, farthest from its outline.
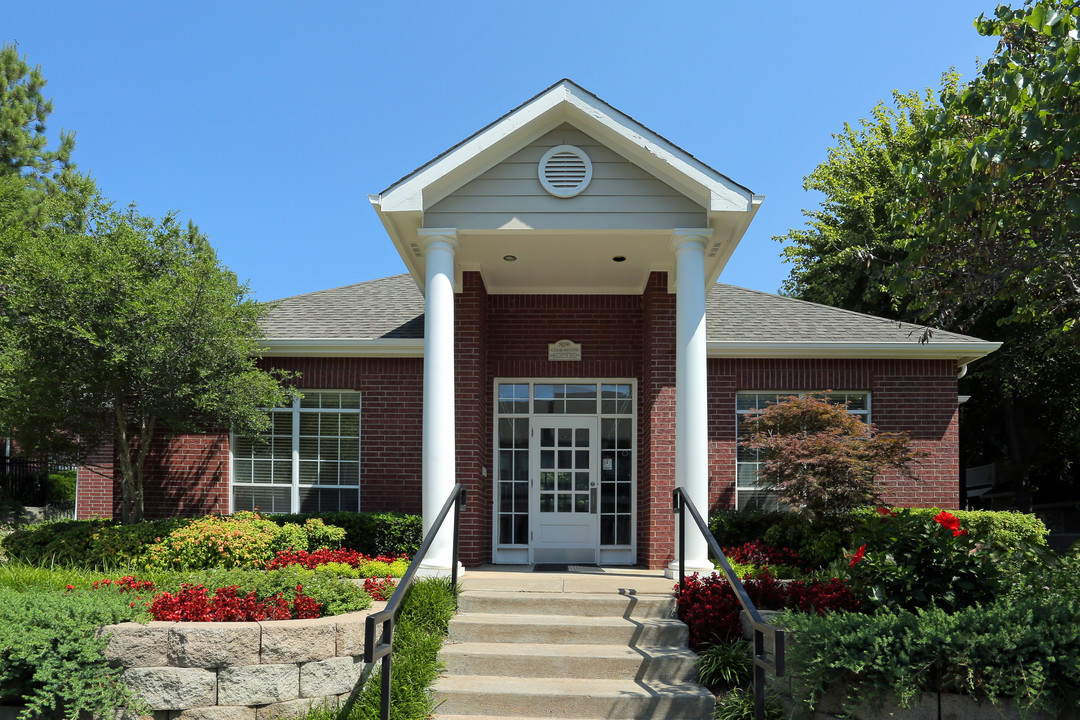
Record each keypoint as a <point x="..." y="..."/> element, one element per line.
<point x="388" y="615"/>
<point x="762" y="661"/>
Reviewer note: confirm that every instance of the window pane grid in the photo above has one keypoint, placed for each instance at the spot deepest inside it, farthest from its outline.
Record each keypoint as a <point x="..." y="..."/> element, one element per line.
<point x="325" y="471"/>
<point x="748" y="494"/>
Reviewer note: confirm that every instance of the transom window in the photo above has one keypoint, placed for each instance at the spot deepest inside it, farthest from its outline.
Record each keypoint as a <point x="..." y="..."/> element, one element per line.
<point x="749" y="495"/>
<point x="308" y="461"/>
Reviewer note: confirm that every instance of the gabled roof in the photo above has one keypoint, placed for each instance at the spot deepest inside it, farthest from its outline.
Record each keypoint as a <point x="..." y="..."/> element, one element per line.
<point x="411" y="204"/>
<point x="386" y="318"/>
<point x="565" y="101"/>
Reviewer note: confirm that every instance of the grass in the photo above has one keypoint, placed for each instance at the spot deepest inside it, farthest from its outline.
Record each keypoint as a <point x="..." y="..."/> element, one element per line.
<point x="418" y="636"/>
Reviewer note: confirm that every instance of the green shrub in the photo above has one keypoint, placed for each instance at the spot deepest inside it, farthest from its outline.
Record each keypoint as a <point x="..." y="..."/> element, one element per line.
<point x="50" y="658"/>
<point x="820" y="542"/>
<point x="912" y="560"/>
<point x="1025" y="647"/>
<point x="378" y="533"/>
<point x="1000" y="528"/>
<point x="244" y="539"/>
<point x="320" y="535"/>
<point x="726" y="664"/>
<point x="238" y="541"/>
<point x="100" y="544"/>
<point x="62" y="487"/>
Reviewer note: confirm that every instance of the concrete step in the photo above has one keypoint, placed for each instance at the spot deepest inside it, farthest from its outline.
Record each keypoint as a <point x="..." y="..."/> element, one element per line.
<point x="567" y="630"/>
<point x="570" y="661"/>
<point x="579" y="604"/>
<point x="571" y="698"/>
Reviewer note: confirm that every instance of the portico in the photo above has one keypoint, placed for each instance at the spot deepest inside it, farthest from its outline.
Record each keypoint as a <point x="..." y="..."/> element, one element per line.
<point x="566" y="197"/>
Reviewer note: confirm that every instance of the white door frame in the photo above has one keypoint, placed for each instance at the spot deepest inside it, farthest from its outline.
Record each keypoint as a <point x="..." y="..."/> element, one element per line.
<point x="511" y="554"/>
<point x="555" y="469"/>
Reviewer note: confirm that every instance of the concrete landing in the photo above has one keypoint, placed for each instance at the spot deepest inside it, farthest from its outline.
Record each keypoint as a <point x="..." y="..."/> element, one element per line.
<point x="521" y="578"/>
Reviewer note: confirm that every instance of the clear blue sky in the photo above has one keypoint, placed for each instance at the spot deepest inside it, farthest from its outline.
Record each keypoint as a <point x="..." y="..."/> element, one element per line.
<point x="269" y="123"/>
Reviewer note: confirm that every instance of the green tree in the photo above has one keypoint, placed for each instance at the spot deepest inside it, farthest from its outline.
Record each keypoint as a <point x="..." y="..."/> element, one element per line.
<point x="116" y="328"/>
<point x="994" y="196"/>
<point x="867" y="246"/>
<point x="23" y="112"/>
<point x="844" y="255"/>
<point x="822" y="459"/>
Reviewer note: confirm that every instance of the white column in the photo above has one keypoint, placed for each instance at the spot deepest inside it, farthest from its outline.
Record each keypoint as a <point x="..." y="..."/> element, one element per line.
<point x="691" y="390"/>
<point x="439" y="450"/>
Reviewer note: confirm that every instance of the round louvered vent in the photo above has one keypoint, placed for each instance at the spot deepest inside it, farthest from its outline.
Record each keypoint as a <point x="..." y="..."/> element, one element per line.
<point x="565" y="171"/>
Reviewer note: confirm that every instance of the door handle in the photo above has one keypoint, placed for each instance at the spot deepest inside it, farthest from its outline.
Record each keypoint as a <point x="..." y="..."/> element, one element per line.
<point x="592" y="500"/>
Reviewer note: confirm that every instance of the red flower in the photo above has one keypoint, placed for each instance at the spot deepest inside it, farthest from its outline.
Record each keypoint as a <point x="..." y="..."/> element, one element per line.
<point x="949" y="521"/>
<point x="886" y="512"/>
<point x="858" y="555"/>
<point x="958" y="533"/>
<point x="70" y="588"/>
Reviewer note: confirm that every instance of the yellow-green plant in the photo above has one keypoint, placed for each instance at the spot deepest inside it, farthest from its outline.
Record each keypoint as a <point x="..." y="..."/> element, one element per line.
<point x="243" y="540"/>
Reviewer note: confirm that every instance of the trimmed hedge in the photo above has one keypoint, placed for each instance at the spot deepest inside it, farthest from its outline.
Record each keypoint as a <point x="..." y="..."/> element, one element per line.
<point x="820" y="542"/>
<point x="88" y="543"/>
<point x="106" y="544"/>
<point x="1025" y="648"/>
<point x="371" y="533"/>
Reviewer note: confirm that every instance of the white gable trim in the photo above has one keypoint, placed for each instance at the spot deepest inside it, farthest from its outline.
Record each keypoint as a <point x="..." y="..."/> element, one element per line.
<point x="565" y="102"/>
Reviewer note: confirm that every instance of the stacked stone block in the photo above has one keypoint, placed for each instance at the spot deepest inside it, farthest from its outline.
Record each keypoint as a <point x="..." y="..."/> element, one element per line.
<point x="240" y="670"/>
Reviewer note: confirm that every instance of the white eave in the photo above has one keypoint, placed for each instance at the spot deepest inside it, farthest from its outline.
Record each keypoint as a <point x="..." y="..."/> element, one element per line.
<point x="341" y="347"/>
<point x="962" y="352"/>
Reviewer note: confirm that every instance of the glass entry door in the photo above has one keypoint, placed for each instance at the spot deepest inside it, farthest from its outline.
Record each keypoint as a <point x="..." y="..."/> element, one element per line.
<point x="563" y="490"/>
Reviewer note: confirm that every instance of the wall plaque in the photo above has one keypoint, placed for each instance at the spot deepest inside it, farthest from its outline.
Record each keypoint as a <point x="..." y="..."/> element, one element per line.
<point x="565" y="350"/>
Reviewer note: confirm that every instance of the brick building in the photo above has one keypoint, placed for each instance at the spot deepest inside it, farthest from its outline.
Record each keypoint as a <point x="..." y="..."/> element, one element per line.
<point x="562" y="347"/>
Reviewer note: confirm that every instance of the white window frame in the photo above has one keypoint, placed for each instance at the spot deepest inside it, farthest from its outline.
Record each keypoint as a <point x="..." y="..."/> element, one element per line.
<point x="863" y="414"/>
<point x="295" y="411"/>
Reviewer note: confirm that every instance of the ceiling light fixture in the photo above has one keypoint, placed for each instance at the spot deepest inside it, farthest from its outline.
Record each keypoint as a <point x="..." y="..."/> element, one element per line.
<point x="619" y="258"/>
<point x="509" y="258"/>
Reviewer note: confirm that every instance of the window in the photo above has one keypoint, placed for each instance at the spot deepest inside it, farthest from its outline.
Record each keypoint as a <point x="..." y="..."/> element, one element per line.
<point x="748" y="493"/>
<point x="308" y="461"/>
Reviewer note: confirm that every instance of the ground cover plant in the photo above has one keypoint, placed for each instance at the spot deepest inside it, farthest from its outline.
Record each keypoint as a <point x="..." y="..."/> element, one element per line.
<point x="51" y="660"/>
<point x="418" y="634"/>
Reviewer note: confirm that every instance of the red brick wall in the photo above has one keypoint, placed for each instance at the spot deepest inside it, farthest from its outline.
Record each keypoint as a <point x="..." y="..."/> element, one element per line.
<point x="189" y="474"/>
<point x="914" y="396"/>
<point x="94" y="486"/>
<point x="391" y="421"/>
<point x="656" y="427"/>
<point x="472" y="421"/>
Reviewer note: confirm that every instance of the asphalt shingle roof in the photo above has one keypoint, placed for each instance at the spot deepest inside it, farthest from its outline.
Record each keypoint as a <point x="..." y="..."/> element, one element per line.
<point x="735" y="314"/>
<point x="386" y="308"/>
<point x="393" y="308"/>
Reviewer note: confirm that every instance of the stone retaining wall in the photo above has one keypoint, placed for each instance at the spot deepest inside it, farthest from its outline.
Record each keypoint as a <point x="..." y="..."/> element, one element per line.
<point x="240" y="670"/>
